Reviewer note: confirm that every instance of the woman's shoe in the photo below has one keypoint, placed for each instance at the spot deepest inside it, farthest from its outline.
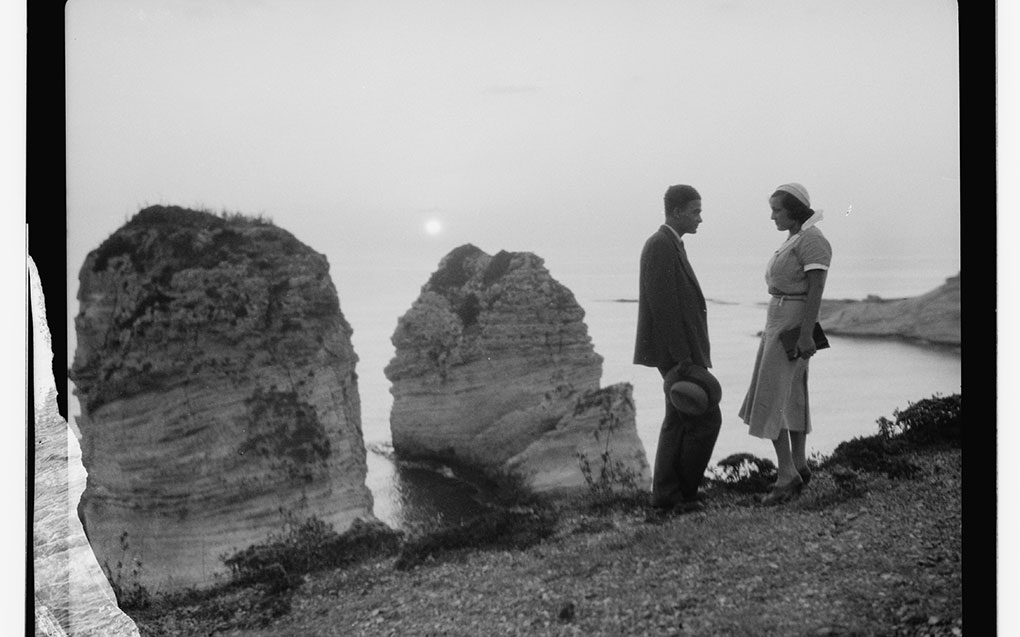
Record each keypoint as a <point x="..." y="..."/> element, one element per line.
<point x="783" y="493"/>
<point x="805" y="475"/>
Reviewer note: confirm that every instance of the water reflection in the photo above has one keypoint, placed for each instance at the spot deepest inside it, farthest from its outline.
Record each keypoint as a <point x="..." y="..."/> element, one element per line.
<point x="410" y="496"/>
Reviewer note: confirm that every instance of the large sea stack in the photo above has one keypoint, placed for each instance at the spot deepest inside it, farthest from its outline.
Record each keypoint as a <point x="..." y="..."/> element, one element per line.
<point x="494" y="371"/>
<point x="219" y="400"/>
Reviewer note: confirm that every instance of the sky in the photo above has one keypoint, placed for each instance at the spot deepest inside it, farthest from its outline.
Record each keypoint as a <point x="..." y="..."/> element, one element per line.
<point x="515" y="126"/>
<point x="551" y="126"/>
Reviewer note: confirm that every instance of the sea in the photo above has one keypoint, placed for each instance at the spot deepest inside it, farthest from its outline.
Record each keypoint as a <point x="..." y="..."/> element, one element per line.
<point x="851" y="385"/>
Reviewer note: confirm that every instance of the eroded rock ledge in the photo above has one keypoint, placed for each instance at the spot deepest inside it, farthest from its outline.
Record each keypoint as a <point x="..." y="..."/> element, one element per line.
<point x="494" y="370"/>
<point x="216" y="379"/>
<point x="933" y="317"/>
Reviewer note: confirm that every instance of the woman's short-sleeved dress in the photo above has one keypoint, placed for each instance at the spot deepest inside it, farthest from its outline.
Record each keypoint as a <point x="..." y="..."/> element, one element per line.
<point x="778" y="396"/>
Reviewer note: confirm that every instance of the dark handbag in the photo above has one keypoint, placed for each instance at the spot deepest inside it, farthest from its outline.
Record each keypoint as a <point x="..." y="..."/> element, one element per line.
<point x="790" y="336"/>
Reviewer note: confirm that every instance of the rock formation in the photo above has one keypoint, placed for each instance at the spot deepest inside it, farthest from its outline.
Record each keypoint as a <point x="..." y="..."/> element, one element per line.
<point x="216" y="379"/>
<point x="71" y="590"/>
<point x="494" y="370"/>
<point x="933" y="317"/>
<point x="71" y="593"/>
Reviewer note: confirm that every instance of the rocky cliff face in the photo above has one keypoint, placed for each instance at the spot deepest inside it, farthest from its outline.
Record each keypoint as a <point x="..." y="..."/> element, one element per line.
<point x="71" y="593"/>
<point x="933" y="317"/>
<point x="71" y="590"/>
<point x="216" y="379"/>
<point x="494" y="369"/>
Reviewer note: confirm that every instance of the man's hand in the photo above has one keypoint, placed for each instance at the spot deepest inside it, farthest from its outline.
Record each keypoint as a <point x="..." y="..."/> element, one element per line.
<point x="680" y="370"/>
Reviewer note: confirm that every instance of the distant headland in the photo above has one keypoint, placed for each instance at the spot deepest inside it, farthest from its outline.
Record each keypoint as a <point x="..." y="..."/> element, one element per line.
<point x="932" y="317"/>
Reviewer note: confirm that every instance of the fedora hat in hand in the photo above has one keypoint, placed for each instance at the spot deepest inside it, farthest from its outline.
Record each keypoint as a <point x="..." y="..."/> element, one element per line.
<point x="692" y="389"/>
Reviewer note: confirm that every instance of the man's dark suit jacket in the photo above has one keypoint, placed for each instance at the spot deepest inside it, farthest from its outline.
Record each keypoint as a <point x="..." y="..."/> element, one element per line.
<point x="672" y="316"/>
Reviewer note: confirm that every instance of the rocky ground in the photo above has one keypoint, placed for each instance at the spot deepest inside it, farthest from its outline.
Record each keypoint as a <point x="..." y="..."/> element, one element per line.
<point x="856" y="554"/>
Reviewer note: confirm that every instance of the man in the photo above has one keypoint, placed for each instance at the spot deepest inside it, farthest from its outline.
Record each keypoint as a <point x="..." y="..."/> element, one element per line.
<point x="673" y="331"/>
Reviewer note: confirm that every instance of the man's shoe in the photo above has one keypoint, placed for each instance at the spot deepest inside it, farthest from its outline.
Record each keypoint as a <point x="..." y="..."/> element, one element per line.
<point x="689" y="506"/>
<point x="658" y="514"/>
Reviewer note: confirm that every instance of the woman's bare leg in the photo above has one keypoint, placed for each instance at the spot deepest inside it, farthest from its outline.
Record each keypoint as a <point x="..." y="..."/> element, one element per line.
<point x="798" y="448"/>
<point x="784" y="454"/>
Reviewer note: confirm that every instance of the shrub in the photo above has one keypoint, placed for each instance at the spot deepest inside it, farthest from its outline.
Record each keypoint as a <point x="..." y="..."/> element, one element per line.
<point x="501" y="529"/>
<point x="746" y="473"/>
<point x="506" y="487"/>
<point x="224" y="608"/>
<point x="876" y="454"/>
<point x="929" y="422"/>
<point x="264" y="578"/>
<point x="849" y="482"/>
<point x="308" y="546"/>
<point x="617" y="483"/>
<point x="846" y="484"/>
<point x="614" y="476"/>
<point x="114" y="246"/>
<point x="616" y="486"/>
<point x="454" y="270"/>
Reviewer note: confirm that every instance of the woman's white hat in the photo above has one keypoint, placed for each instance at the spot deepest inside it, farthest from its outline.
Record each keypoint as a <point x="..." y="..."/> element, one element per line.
<point x="798" y="191"/>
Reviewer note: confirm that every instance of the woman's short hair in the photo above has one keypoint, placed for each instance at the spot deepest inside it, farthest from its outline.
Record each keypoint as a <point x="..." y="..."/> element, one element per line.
<point x="679" y="196"/>
<point x="798" y="211"/>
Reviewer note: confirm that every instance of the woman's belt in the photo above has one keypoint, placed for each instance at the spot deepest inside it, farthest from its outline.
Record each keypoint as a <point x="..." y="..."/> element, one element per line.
<point x="789" y="297"/>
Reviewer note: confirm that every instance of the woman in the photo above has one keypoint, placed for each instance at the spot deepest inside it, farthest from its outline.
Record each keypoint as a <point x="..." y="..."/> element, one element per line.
<point x="776" y="404"/>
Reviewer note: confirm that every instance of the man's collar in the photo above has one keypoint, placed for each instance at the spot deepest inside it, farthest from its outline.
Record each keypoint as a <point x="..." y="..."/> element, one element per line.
<point x="675" y="233"/>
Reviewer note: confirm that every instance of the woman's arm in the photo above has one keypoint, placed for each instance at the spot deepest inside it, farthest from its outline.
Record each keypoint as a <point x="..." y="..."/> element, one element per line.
<point x="816" y="283"/>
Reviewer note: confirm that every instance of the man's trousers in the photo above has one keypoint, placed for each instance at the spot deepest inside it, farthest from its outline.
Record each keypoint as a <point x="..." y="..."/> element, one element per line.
<point x="683" y="453"/>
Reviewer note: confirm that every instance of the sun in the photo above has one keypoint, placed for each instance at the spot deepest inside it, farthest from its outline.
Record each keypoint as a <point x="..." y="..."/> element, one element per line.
<point x="433" y="227"/>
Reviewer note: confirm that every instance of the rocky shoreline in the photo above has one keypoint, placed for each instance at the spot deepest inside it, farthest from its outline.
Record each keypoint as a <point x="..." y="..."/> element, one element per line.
<point x="930" y="318"/>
